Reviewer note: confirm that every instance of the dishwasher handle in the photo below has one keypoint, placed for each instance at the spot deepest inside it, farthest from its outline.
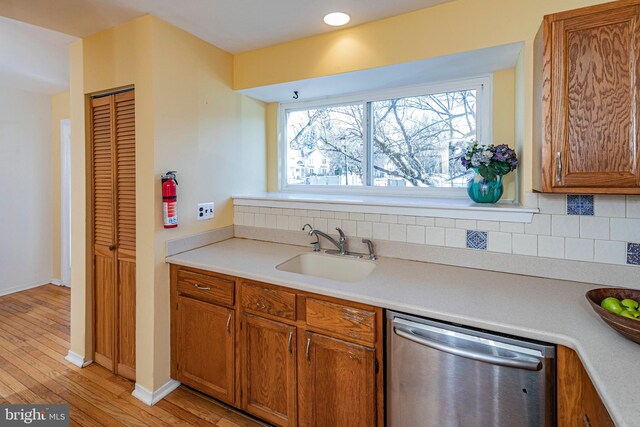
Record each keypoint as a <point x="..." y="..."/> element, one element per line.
<point x="521" y="361"/>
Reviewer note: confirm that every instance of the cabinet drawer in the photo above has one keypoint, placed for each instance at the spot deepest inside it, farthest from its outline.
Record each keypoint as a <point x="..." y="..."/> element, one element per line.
<point x="206" y="288"/>
<point x="270" y="301"/>
<point x="341" y="319"/>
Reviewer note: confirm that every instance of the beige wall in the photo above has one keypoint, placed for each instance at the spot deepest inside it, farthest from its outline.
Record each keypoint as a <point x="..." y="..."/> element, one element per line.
<point x="458" y="26"/>
<point x="213" y="137"/>
<point x="60" y="110"/>
<point x="188" y="119"/>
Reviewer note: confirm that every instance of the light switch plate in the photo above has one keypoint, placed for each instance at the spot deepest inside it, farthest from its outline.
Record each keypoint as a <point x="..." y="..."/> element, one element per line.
<point x="205" y="211"/>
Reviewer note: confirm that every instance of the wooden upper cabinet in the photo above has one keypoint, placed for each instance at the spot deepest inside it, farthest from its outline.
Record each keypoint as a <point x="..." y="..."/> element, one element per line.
<point x="268" y="370"/>
<point x="586" y="115"/>
<point x="337" y="384"/>
<point x="206" y="349"/>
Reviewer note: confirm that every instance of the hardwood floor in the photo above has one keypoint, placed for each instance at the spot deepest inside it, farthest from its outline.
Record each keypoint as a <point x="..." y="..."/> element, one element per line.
<point x="34" y="338"/>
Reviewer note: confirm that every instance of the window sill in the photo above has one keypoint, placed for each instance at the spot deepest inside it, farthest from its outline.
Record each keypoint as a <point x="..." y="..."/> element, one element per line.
<point x="429" y="207"/>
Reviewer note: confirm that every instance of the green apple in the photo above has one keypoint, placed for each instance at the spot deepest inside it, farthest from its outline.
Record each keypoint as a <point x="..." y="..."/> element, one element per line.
<point x="628" y="314"/>
<point x="612" y="304"/>
<point x="629" y="303"/>
<point x="634" y="312"/>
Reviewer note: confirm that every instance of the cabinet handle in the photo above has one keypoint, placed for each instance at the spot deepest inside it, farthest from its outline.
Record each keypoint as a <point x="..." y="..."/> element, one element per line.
<point x="558" y="166"/>
<point x="229" y="324"/>
<point x="289" y="342"/>
<point x="586" y="421"/>
<point x="307" y="351"/>
<point x="202" y="288"/>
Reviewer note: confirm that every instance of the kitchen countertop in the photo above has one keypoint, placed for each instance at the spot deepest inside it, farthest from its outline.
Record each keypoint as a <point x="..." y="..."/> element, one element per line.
<point x="544" y="309"/>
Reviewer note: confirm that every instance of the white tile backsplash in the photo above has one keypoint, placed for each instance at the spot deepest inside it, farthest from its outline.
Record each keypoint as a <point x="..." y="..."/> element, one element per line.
<point x="415" y="234"/>
<point x="552" y="233"/>
<point x="578" y="249"/>
<point x="365" y="229"/>
<point x="610" y="252"/>
<point x="426" y="221"/>
<point x="565" y="225"/>
<point x="398" y="232"/>
<point x="633" y="206"/>
<point x="467" y="224"/>
<point x="551" y="247"/>
<point x="434" y="236"/>
<point x="524" y="244"/>
<point x="552" y="204"/>
<point x="625" y="229"/>
<point x="406" y="219"/>
<point x="610" y="206"/>
<point x="455" y="237"/>
<point x="512" y="227"/>
<point x="594" y="227"/>
<point x="540" y="225"/>
<point x="499" y="242"/>
<point x="380" y="231"/>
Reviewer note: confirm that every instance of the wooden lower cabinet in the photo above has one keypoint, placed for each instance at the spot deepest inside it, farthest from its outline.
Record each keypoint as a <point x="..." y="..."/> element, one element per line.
<point x="299" y="358"/>
<point x="578" y="401"/>
<point x="268" y="369"/>
<point x="337" y="382"/>
<point x="206" y="349"/>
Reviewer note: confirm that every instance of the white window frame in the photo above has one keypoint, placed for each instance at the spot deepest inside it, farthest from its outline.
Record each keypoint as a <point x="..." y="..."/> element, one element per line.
<point x="484" y="128"/>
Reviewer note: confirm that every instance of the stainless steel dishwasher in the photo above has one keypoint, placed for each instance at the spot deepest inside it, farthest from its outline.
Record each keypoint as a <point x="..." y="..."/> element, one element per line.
<point x="444" y="375"/>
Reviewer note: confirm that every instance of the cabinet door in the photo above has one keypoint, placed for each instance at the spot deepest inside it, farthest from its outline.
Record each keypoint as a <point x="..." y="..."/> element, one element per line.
<point x="269" y="370"/>
<point x="205" y="348"/>
<point x="578" y="401"/>
<point x="595" y="99"/>
<point x="337" y="383"/>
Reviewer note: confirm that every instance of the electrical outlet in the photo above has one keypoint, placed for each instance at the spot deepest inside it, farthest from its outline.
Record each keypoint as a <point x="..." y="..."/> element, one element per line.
<point x="205" y="211"/>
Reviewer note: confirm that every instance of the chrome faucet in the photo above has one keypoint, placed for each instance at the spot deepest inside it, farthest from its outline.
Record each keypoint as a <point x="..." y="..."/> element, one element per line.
<point x="372" y="252"/>
<point x="341" y="243"/>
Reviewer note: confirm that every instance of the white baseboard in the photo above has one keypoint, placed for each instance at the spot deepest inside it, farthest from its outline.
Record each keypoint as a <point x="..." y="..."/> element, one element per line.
<point x="153" y="397"/>
<point x="23" y="287"/>
<point x="56" y="282"/>
<point x="77" y="360"/>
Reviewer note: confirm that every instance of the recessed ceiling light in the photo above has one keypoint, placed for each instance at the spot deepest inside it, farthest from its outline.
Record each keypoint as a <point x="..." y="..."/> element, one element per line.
<point x="336" y="19"/>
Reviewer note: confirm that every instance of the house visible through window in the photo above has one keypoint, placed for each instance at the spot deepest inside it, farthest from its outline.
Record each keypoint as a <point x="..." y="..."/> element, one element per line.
<point x="412" y="140"/>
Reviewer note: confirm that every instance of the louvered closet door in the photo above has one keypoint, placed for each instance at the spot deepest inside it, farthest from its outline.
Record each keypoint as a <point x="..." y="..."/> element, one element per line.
<point x="113" y="155"/>
<point x="104" y="239"/>
<point x="126" y="232"/>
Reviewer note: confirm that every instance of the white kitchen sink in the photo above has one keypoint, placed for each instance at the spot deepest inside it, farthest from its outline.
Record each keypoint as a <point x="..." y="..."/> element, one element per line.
<point x="333" y="267"/>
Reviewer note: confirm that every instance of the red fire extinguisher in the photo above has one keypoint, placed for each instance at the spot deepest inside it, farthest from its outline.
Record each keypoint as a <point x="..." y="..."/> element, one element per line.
<point x="169" y="200"/>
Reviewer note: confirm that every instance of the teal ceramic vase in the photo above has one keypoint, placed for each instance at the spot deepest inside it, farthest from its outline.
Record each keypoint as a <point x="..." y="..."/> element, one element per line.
<point x="481" y="190"/>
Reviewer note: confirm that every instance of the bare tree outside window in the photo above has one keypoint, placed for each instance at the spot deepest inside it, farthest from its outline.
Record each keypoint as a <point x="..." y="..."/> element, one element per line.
<point x="415" y="141"/>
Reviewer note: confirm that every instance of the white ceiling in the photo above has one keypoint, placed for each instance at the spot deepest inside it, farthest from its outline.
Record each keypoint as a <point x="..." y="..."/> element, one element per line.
<point x="33" y="58"/>
<point x="234" y="25"/>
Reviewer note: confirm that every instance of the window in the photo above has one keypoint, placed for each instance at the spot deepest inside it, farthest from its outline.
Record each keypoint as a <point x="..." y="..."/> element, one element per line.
<point x="405" y="139"/>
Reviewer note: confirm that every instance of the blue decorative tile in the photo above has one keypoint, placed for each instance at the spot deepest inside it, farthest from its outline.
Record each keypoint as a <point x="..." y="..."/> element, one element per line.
<point x="476" y="239"/>
<point x="579" y="205"/>
<point x="633" y="253"/>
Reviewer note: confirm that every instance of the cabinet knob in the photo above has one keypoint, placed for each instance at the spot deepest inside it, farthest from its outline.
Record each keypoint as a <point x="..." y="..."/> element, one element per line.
<point x="112" y="247"/>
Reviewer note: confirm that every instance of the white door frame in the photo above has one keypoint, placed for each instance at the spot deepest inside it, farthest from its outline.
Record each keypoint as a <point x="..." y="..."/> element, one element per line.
<point x="65" y="202"/>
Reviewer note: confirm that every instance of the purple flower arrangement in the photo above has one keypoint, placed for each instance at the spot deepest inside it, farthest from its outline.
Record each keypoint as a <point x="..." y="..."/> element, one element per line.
<point x="488" y="160"/>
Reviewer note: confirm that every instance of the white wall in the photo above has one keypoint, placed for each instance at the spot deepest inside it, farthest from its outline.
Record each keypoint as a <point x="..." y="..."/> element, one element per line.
<point x="25" y="190"/>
